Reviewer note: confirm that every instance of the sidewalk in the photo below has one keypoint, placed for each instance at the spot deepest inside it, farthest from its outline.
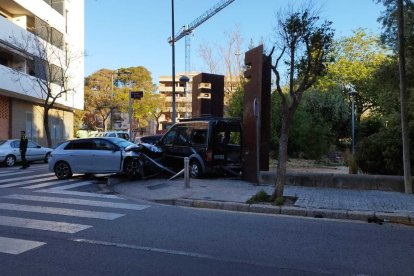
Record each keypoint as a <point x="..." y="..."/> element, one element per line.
<point x="232" y="195"/>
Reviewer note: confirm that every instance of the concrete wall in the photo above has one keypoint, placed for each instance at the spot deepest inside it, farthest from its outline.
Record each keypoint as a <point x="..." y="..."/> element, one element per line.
<point x="341" y="181"/>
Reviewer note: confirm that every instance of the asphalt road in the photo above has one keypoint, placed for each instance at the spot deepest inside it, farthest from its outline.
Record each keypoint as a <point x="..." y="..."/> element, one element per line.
<point x="52" y="228"/>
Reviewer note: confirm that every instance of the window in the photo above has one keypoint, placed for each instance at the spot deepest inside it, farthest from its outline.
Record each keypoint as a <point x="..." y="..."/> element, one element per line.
<point x="32" y="145"/>
<point x="101" y="144"/>
<point x="199" y="136"/>
<point x="79" y="145"/>
<point x="15" y="144"/>
<point x="183" y="136"/>
<point x="169" y="138"/>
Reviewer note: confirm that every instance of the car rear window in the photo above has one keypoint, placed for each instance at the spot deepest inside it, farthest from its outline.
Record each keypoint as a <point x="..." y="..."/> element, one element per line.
<point x="2" y="142"/>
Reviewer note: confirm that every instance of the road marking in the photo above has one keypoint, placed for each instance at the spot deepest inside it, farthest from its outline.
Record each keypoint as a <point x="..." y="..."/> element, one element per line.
<point x="16" y="173"/>
<point x="60" y="211"/>
<point x="76" y="193"/>
<point x="33" y="181"/>
<point x="67" y="187"/>
<point x="105" y="204"/>
<point x="17" y="246"/>
<point x="179" y="253"/>
<point x="25" y="177"/>
<point x="46" y="225"/>
<point x="50" y="183"/>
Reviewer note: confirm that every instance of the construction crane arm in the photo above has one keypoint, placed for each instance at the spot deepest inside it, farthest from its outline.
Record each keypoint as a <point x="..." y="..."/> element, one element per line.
<point x="186" y="30"/>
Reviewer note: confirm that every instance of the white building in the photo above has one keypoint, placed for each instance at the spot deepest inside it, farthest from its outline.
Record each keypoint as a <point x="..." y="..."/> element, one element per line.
<point x="59" y="24"/>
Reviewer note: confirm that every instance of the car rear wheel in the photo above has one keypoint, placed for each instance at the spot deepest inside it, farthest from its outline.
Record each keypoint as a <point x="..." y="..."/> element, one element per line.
<point x="134" y="168"/>
<point x="196" y="171"/>
<point x="46" y="159"/>
<point x="10" y="160"/>
<point x="62" y="170"/>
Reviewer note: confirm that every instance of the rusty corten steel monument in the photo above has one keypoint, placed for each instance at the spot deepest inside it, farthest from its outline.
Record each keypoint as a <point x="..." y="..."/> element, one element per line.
<point x="208" y="95"/>
<point x="256" y="114"/>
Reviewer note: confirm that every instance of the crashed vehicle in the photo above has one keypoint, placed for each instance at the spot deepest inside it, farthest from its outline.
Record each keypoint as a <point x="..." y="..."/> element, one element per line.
<point x="211" y="144"/>
<point x="102" y="155"/>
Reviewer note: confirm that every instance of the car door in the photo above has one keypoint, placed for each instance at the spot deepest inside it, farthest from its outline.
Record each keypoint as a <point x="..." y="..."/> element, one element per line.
<point x="34" y="152"/>
<point x="166" y="145"/>
<point x="107" y="156"/>
<point x="182" y="144"/>
<point x="78" y="154"/>
<point x="14" y="147"/>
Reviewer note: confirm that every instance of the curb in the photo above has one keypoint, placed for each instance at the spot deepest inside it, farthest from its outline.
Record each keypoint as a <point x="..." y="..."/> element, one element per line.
<point x="367" y="216"/>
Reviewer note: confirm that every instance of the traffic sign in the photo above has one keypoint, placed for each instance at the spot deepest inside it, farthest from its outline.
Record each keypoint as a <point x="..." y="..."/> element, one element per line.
<point x="137" y="94"/>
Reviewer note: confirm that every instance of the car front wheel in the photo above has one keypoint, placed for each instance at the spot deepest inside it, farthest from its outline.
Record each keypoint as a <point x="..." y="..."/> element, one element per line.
<point x="62" y="170"/>
<point x="10" y="160"/>
<point x="196" y="171"/>
<point x="134" y="168"/>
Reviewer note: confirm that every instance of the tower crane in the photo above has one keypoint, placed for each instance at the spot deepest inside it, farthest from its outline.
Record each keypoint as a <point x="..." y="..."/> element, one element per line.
<point x="188" y="29"/>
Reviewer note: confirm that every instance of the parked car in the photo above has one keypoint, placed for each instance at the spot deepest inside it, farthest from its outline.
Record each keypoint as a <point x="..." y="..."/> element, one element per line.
<point x="116" y="133"/>
<point x="211" y="144"/>
<point x="150" y="139"/>
<point x="101" y="155"/>
<point x="10" y="153"/>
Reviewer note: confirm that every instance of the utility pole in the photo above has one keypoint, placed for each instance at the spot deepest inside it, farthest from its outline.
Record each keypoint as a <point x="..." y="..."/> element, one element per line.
<point x="403" y="95"/>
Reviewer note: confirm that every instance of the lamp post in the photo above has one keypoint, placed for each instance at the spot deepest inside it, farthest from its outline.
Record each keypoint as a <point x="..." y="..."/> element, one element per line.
<point x="183" y="81"/>
<point x="353" y="93"/>
<point x="173" y="62"/>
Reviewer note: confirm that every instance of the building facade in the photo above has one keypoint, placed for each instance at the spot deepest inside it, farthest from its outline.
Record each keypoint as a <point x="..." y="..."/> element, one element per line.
<point x="183" y="97"/>
<point x="59" y="25"/>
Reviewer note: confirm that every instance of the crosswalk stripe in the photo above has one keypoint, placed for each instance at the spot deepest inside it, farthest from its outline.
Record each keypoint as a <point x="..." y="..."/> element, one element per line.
<point x="17" y="246"/>
<point x="16" y="173"/>
<point x="64" y="192"/>
<point x="47" y="184"/>
<point x="22" y="183"/>
<point x="67" y="187"/>
<point x="60" y="211"/>
<point x="24" y="177"/>
<point x="46" y="225"/>
<point x="78" y="201"/>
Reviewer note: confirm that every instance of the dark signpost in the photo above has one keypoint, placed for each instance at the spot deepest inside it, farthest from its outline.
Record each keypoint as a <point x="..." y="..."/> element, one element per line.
<point x="136" y="95"/>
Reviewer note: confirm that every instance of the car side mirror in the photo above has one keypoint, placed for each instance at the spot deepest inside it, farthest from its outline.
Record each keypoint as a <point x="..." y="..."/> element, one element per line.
<point x="38" y="146"/>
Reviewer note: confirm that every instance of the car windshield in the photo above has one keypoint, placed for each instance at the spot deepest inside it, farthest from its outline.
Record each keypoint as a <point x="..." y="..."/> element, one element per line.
<point x="122" y="143"/>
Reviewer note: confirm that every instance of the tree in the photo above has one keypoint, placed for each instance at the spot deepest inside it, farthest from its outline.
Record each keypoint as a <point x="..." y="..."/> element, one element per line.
<point x="304" y="48"/>
<point x="52" y="69"/>
<point x="355" y="60"/>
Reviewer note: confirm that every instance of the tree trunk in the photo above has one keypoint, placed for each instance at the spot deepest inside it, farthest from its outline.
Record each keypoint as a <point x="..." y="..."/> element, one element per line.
<point x="46" y="126"/>
<point x="403" y="96"/>
<point x="282" y="159"/>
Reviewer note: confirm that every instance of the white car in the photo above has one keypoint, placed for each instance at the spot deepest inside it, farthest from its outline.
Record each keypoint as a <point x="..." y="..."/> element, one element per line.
<point x="10" y="153"/>
<point x="95" y="156"/>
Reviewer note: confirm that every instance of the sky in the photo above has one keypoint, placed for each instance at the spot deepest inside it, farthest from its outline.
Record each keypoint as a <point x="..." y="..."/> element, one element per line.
<point x="129" y="33"/>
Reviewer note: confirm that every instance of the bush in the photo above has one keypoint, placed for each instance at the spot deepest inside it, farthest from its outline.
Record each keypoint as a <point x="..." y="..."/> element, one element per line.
<point x="260" y="196"/>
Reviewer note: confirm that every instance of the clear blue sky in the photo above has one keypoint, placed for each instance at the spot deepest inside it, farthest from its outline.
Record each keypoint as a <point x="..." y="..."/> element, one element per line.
<point x="125" y="33"/>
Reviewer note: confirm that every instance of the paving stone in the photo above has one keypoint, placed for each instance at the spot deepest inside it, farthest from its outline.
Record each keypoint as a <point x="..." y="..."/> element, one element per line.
<point x="393" y="217"/>
<point x="293" y="211"/>
<point x="234" y="206"/>
<point x="266" y="209"/>
<point x="207" y="204"/>
<point x="360" y="215"/>
<point x="184" y="202"/>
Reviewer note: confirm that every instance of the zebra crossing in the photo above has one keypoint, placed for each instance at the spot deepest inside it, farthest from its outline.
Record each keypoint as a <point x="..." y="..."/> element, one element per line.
<point x="39" y="192"/>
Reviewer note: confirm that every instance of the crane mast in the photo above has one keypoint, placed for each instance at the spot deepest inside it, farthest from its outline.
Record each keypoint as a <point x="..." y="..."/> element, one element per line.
<point x="188" y="29"/>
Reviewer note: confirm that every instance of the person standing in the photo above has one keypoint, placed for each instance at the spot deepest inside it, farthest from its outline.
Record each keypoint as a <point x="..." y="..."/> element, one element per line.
<point x="23" y="148"/>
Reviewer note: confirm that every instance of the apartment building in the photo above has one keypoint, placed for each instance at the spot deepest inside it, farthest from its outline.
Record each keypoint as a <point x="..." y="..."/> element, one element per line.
<point x="183" y="98"/>
<point x="58" y="24"/>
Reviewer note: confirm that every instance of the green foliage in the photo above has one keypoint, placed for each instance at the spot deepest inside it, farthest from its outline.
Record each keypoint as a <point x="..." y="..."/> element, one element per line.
<point x="319" y="123"/>
<point x="235" y="107"/>
<point x="260" y="196"/>
<point x="279" y="201"/>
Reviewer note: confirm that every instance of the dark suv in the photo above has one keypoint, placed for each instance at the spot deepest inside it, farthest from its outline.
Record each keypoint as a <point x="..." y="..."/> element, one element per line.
<point x="209" y="143"/>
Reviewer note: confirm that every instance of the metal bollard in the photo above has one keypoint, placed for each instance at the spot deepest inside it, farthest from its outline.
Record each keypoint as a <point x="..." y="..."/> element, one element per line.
<point x="186" y="172"/>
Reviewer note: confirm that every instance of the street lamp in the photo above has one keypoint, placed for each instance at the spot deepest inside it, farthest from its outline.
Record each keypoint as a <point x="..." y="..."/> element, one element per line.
<point x="173" y="62"/>
<point x="128" y="74"/>
<point x="183" y="81"/>
<point x="353" y="93"/>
